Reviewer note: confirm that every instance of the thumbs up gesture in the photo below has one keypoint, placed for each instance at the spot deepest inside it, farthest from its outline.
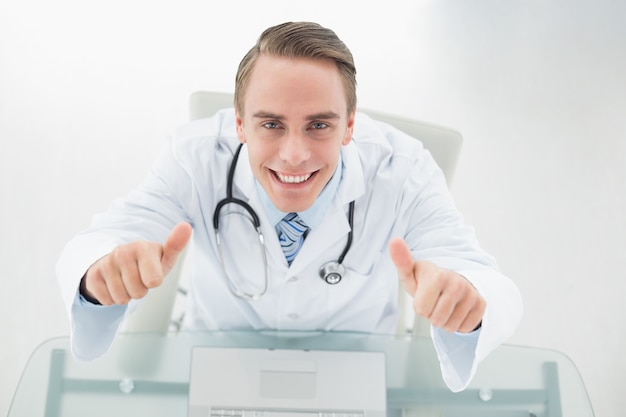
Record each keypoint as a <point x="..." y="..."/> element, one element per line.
<point x="130" y="270"/>
<point x="445" y="298"/>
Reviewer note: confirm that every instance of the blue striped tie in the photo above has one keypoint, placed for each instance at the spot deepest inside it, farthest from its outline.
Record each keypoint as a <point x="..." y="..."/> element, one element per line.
<point x="292" y="233"/>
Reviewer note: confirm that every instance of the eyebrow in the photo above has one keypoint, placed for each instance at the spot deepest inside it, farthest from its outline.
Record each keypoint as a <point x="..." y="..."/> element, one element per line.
<point x="317" y="116"/>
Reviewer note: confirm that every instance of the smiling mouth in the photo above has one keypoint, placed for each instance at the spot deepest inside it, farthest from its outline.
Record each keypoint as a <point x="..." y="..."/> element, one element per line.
<point x="292" y="179"/>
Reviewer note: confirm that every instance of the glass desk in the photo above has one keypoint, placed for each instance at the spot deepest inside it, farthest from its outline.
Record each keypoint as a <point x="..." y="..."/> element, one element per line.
<point x="147" y="374"/>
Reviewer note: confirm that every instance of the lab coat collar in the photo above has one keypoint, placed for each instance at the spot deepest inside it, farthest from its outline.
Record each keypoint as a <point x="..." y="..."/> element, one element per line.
<point x="353" y="181"/>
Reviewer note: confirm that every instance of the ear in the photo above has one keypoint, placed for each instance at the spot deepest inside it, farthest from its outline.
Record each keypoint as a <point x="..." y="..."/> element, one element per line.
<point x="239" y="125"/>
<point x="349" y="129"/>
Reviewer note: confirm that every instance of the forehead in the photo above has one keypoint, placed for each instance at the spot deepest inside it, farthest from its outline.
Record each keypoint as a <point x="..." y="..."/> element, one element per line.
<point x="295" y="83"/>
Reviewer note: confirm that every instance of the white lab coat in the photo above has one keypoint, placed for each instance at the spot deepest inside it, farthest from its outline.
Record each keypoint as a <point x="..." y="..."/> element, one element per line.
<point x="398" y="191"/>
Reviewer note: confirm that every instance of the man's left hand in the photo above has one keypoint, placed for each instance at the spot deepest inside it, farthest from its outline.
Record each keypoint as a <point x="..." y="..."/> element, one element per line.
<point x="446" y="298"/>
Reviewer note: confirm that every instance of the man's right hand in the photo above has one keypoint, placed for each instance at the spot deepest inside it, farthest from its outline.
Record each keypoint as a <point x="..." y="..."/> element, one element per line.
<point x="132" y="269"/>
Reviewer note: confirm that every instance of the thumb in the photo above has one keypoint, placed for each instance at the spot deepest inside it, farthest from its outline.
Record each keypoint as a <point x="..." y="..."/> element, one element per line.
<point x="174" y="245"/>
<point x="402" y="258"/>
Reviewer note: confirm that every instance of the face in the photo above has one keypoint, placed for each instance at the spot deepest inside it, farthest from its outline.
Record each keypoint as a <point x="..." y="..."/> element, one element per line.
<point x="294" y="121"/>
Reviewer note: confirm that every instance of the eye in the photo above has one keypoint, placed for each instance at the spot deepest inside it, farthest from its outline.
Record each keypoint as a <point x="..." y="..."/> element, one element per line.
<point x="319" y="125"/>
<point x="270" y="125"/>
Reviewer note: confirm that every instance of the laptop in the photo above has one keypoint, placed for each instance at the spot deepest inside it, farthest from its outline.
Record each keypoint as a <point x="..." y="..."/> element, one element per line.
<point x="250" y="382"/>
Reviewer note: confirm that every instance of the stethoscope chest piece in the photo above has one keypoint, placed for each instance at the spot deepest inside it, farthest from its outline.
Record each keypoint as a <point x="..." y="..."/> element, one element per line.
<point x="332" y="272"/>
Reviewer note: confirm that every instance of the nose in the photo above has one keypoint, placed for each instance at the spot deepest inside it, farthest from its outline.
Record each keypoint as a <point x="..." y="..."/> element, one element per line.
<point x="294" y="149"/>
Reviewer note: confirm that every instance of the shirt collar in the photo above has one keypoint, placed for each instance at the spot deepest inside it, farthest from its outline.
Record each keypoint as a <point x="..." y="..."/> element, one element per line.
<point x="314" y="215"/>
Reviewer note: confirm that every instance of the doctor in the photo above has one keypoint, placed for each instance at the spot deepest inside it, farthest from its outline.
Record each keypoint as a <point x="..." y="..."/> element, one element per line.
<point x="366" y="207"/>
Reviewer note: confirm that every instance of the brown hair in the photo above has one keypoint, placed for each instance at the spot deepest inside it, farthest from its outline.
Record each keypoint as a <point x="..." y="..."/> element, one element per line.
<point x="299" y="40"/>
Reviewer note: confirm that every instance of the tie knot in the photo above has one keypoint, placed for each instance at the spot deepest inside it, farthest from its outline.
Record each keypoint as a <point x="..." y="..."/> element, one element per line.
<point x="292" y="231"/>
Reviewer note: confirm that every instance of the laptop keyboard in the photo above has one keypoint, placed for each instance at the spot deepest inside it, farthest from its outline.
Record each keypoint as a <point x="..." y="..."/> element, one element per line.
<point x="230" y="412"/>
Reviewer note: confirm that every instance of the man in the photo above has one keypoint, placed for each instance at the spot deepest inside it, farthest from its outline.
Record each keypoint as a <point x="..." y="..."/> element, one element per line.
<point x="355" y="192"/>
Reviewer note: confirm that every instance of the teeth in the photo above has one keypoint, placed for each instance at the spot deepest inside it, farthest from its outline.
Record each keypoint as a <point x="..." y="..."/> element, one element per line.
<point x="293" y="179"/>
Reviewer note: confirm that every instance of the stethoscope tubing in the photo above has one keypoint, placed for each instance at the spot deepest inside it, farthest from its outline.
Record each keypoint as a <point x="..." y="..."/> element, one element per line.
<point x="331" y="272"/>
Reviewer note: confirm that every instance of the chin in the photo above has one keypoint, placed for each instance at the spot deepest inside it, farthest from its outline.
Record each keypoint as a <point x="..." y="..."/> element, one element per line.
<point x="291" y="207"/>
<point x="293" y="201"/>
<point x="289" y="204"/>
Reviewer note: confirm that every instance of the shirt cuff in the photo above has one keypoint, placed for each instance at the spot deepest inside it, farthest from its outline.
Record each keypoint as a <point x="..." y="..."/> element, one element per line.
<point x="93" y="327"/>
<point x="457" y="356"/>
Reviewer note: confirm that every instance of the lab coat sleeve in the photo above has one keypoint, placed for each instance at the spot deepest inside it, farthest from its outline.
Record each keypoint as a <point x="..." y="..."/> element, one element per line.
<point x="92" y="327"/>
<point x="459" y="354"/>
<point x="148" y="213"/>
<point x="437" y="233"/>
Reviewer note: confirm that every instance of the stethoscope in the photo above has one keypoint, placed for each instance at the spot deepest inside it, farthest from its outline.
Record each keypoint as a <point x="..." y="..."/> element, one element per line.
<point x="332" y="272"/>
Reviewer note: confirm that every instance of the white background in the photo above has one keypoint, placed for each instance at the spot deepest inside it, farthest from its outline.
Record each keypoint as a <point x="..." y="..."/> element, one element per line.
<point x="89" y="90"/>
